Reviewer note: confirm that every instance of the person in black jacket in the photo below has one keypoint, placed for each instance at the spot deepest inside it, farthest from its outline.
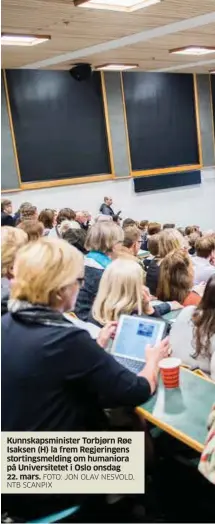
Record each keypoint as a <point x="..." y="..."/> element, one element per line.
<point x="66" y="378"/>
<point x="106" y="208"/>
<point x="103" y="242"/>
<point x="121" y="291"/>
<point x="6" y="213"/>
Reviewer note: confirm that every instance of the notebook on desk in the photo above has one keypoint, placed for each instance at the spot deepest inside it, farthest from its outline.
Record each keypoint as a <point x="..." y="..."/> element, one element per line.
<point x="132" y="336"/>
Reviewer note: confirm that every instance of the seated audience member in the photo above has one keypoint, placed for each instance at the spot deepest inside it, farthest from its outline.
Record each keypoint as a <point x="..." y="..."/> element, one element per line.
<point x="153" y="229"/>
<point x="168" y="240"/>
<point x="48" y="218"/>
<point x="64" y="214"/>
<point x="189" y="230"/>
<point x="6" y="213"/>
<point x="33" y="228"/>
<point x="11" y="240"/>
<point x="169" y="226"/>
<point x="176" y="279"/>
<point x="128" y="222"/>
<point x="76" y="238"/>
<point x="132" y="240"/>
<point x="106" y="208"/>
<point x="121" y="291"/>
<point x="103" y="218"/>
<point x="55" y="359"/>
<point x="192" y="239"/>
<point x="193" y="334"/>
<point x="18" y="213"/>
<point x="65" y="225"/>
<point x="204" y="261"/>
<point x="103" y="242"/>
<point x="143" y="226"/>
<point x="153" y="247"/>
<point x="28" y="212"/>
<point x="83" y="218"/>
<point x="131" y="245"/>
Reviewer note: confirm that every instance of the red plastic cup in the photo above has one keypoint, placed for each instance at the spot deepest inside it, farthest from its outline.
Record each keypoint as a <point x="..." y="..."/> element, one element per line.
<point x="169" y="369"/>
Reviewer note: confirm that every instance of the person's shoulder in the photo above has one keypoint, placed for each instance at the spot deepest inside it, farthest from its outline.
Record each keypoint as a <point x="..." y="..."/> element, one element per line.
<point x="185" y="313"/>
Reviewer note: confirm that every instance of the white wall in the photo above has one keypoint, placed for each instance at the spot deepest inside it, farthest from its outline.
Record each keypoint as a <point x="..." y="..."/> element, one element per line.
<point x="184" y="206"/>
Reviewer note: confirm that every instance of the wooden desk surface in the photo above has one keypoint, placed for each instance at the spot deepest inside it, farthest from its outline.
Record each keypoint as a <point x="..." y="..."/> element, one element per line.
<point x="182" y="412"/>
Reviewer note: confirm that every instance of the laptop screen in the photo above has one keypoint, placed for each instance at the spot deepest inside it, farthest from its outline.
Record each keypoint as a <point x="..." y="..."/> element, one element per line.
<point x="134" y="334"/>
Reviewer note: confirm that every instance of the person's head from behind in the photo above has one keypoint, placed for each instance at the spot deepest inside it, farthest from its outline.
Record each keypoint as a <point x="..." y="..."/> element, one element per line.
<point x="204" y="320"/>
<point x="128" y="222"/>
<point x="189" y="230"/>
<point x="168" y="240"/>
<point x="132" y="239"/>
<point x="108" y="201"/>
<point x="205" y="247"/>
<point x="28" y="212"/>
<point x="143" y="226"/>
<point x="105" y="237"/>
<point x="47" y="217"/>
<point x="65" y="214"/>
<point x="33" y="228"/>
<point x="103" y="218"/>
<point x="168" y="226"/>
<point x="154" y="228"/>
<point x="153" y="245"/>
<point x="76" y="238"/>
<point x="192" y="239"/>
<point x="83" y="217"/>
<point x="176" y="276"/>
<point x="48" y="272"/>
<point x="65" y="225"/>
<point x="120" y="291"/>
<point x="11" y="240"/>
<point x="6" y="206"/>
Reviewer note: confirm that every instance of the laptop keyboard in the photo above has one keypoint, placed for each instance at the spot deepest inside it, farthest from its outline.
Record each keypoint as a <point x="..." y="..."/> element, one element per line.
<point x="133" y="365"/>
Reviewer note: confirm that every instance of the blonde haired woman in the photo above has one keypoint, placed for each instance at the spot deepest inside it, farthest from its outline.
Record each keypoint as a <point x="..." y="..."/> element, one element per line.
<point x="103" y="243"/>
<point x="121" y="291"/>
<point x="47" y="362"/>
<point x="168" y="240"/>
<point x="11" y="240"/>
<point x="55" y="377"/>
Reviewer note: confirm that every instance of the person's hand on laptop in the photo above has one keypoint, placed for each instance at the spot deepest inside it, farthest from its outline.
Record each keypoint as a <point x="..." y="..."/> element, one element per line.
<point x="153" y="356"/>
<point x="106" y="333"/>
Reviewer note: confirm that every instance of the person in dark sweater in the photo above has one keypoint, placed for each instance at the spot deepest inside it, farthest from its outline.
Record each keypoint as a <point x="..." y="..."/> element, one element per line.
<point x="106" y="208"/>
<point x="103" y="242"/>
<point x="66" y="378"/>
<point x="121" y="291"/>
<point x="6" y="213"/>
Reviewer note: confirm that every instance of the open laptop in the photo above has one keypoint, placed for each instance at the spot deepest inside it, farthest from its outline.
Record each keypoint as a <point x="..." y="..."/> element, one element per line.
<point x="132" y="336"/>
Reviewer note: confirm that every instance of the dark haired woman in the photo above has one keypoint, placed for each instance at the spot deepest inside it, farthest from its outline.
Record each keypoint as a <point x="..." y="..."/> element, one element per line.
<point x="192" y="337"/>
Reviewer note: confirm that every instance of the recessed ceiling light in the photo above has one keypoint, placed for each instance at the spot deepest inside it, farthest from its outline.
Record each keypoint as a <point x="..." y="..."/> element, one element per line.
<point x="127" y="6"/>
<point x="193" y="50"/>
<point x="22" y="40"/>
<point x="115" y="67"/>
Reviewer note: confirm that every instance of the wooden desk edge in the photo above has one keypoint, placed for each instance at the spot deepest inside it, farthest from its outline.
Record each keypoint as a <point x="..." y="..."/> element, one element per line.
<point x="172" y="431"/>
